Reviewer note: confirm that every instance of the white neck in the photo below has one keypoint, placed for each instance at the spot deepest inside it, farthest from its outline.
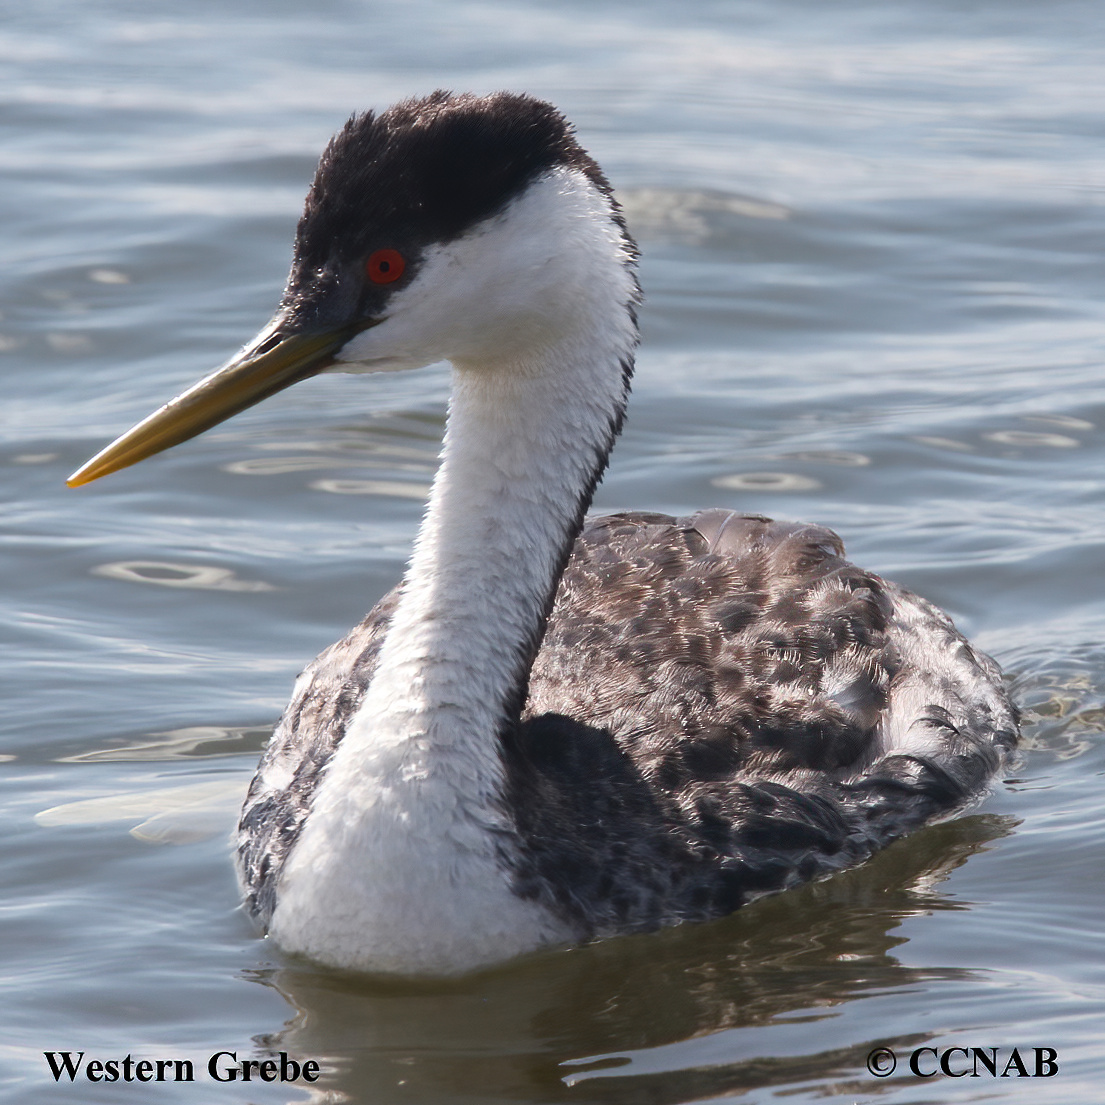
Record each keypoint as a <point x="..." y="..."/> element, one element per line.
<point x="404" y="862"/>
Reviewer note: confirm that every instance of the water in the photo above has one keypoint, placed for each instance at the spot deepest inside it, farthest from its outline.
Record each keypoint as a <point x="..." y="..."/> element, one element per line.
<point x="873" y="238"/>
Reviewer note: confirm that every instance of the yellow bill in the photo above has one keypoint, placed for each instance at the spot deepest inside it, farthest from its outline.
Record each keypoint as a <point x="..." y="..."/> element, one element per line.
<point x="273" y="362"/>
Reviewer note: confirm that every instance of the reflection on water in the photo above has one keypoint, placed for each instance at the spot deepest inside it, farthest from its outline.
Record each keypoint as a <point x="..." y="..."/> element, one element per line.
<point x="193" y="742"/>
<point x="394" y="488"/>
<point x="765" y="481"/>
<point x="625" y="1020"/>
<point x="164" y="574"/>
<point x="166" y="815"/>
<point x="693" y="218"/>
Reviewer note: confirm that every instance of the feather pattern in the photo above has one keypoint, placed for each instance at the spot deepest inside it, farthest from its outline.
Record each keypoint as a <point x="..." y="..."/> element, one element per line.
<point x="706" y="722"/>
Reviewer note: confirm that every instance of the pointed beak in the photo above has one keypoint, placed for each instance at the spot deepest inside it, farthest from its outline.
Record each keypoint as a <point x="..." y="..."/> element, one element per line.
<point x="274" y="361"/>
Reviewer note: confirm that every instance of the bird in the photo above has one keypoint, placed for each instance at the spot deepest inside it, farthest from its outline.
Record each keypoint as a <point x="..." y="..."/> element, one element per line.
<point x="557" y="729"/>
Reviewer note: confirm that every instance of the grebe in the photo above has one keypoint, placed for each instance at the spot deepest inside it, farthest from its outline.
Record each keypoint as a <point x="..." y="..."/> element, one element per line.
<point x="552" y="730"/>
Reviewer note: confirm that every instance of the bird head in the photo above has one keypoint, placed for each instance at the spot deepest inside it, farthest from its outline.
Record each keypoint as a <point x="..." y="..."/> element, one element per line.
<point x="455" y="227"/>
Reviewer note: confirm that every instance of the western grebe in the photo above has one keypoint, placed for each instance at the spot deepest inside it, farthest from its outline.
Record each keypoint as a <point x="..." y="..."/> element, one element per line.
<point x="552" y="731"/>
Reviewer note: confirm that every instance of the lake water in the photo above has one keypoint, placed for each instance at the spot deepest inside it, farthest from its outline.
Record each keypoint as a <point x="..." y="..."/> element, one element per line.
<point x="874" y="261"/>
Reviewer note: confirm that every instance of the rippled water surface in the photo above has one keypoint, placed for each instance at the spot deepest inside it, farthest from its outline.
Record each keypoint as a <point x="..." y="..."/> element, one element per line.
<point x="873" y="242"/>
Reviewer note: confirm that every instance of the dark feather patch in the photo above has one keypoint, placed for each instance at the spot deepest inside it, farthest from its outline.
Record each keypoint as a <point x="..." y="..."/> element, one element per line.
<point x="422" y="172"/>
<point x="702" y="724"/>
<point x="737" y="674"/>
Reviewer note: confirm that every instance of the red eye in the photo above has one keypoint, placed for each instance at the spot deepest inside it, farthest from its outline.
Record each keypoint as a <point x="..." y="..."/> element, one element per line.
<point x="385" y="266"/>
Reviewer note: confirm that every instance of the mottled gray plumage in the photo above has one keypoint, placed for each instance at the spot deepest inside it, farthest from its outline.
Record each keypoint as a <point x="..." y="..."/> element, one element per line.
<point x="704" y="724"/>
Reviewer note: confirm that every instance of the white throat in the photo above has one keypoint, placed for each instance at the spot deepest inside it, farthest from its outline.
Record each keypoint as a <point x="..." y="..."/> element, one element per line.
<point x="404" y="863"/>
